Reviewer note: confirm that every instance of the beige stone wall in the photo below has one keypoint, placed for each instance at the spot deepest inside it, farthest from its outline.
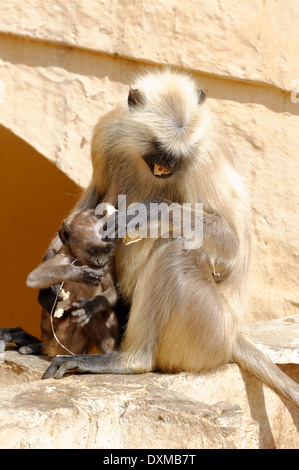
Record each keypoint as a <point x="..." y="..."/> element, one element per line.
<point x="63" y="64"/>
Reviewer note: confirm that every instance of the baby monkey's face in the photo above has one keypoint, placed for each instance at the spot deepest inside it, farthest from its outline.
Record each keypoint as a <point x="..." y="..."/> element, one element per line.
<point x="85" y="243"/>
<point x="97" y="252"/>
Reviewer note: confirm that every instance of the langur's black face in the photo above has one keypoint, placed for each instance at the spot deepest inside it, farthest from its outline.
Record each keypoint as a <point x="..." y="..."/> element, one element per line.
<point x="163" y="164"/>
<point x="166" y="119"/>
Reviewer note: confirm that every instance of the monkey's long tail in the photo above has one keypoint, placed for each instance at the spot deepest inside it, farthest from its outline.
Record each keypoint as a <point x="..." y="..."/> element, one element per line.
<point x="248" y="357"/>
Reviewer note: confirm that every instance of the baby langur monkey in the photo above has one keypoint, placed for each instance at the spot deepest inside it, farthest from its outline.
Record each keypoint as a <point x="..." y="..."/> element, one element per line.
<point x="85" y="266"/>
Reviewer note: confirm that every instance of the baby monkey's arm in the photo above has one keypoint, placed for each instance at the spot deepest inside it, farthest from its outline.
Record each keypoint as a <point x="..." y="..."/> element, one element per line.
<point x="59" y="269"/>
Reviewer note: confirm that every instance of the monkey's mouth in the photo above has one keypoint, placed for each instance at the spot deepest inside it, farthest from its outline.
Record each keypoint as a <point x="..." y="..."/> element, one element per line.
<point x="159" y="171"/>
<point x="162" y="165"/>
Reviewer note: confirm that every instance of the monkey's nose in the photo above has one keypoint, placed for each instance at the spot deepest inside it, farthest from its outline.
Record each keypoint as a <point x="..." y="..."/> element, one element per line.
<point x="170" y="160"/>
<point x="172" y="164"/>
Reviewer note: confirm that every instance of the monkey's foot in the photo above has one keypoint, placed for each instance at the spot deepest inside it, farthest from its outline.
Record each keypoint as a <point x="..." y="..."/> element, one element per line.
<point x="110" y="363"/>
<point x="26" y="343"/>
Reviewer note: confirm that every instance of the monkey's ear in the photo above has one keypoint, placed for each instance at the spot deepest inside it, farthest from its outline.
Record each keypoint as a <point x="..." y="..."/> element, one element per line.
<point x="201" y="96"/>
<point x="135" y="97"/>
<point x="65" y="233"/>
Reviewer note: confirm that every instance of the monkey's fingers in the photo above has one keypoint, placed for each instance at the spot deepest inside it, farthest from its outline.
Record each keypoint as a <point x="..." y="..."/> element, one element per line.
<point x="62" y="364"/>
<point x="35" y="348"/>
<point x="4" y="339"/>
<point x="74" y="308"/>
<point x="88" y="305"/>
<point x="90" y="278"/>
<point x="19" y="337"/>
<point x="81" y="317"/>
<point x="109" y="363"/>
<point x="59" y="367"/>
<point x="79" y="303"/>
<point x="78" y="313"/>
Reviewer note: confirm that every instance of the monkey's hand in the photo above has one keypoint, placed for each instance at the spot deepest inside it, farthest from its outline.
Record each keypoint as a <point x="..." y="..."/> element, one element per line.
<point x="82" y="310"/>
<point x="90" y="277"/>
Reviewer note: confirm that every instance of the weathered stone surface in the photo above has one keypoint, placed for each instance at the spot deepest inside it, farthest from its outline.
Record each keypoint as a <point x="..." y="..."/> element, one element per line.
<point x="255" y="40"/>
<point x="116" y="412"/>
<point x="225" y="408"/>
<point x="18" y="369"/>
<point x="278" y="339"/>
<point x="62" y="91"/>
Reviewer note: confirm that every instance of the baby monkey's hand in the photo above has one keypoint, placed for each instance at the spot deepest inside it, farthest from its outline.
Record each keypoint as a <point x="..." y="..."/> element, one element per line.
<point x="91" y="277"/>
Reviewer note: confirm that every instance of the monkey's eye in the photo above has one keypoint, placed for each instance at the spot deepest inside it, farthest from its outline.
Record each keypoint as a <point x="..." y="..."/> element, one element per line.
<point x="93" y="250"/>
<point x="201" y="96"/>
<point x="108" y="249"/>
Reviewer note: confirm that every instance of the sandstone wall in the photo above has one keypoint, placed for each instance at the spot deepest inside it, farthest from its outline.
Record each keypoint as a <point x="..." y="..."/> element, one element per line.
<point x="63" y="64"/>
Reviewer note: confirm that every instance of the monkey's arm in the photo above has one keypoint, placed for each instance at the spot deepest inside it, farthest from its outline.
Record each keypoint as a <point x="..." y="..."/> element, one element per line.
<point x="219" y="239"/>
<point x="161" y="216"/>
<point x="55" y="270"/>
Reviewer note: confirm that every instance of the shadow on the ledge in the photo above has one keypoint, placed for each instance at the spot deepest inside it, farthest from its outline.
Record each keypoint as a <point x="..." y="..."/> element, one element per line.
<point x="256" y="401"/>
<point x="34" y="198"/>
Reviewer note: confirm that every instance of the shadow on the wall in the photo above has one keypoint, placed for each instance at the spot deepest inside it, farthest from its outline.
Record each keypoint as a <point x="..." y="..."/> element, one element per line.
<point x="35" y="196"/>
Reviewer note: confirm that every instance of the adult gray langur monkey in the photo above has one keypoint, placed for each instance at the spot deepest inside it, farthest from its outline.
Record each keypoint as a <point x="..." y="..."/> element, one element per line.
<point x="186" y="304"/>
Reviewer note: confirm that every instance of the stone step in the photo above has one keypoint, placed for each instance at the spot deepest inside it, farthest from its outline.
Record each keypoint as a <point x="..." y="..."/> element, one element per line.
<point x="225" y="408"/>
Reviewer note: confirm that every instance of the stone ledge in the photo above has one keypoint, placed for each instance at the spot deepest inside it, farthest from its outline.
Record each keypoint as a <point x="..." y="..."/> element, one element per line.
<point x="16" y="369"/>
<point x="116" y="412"/>
<point x="278" y="339"/>
<point x="226" y="408"/>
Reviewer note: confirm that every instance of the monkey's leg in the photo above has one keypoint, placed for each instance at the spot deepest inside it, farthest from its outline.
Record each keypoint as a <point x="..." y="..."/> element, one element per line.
<point x="178" y="320"/>
<point x="103" y="331"/>
<point x="26" y="343"/>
